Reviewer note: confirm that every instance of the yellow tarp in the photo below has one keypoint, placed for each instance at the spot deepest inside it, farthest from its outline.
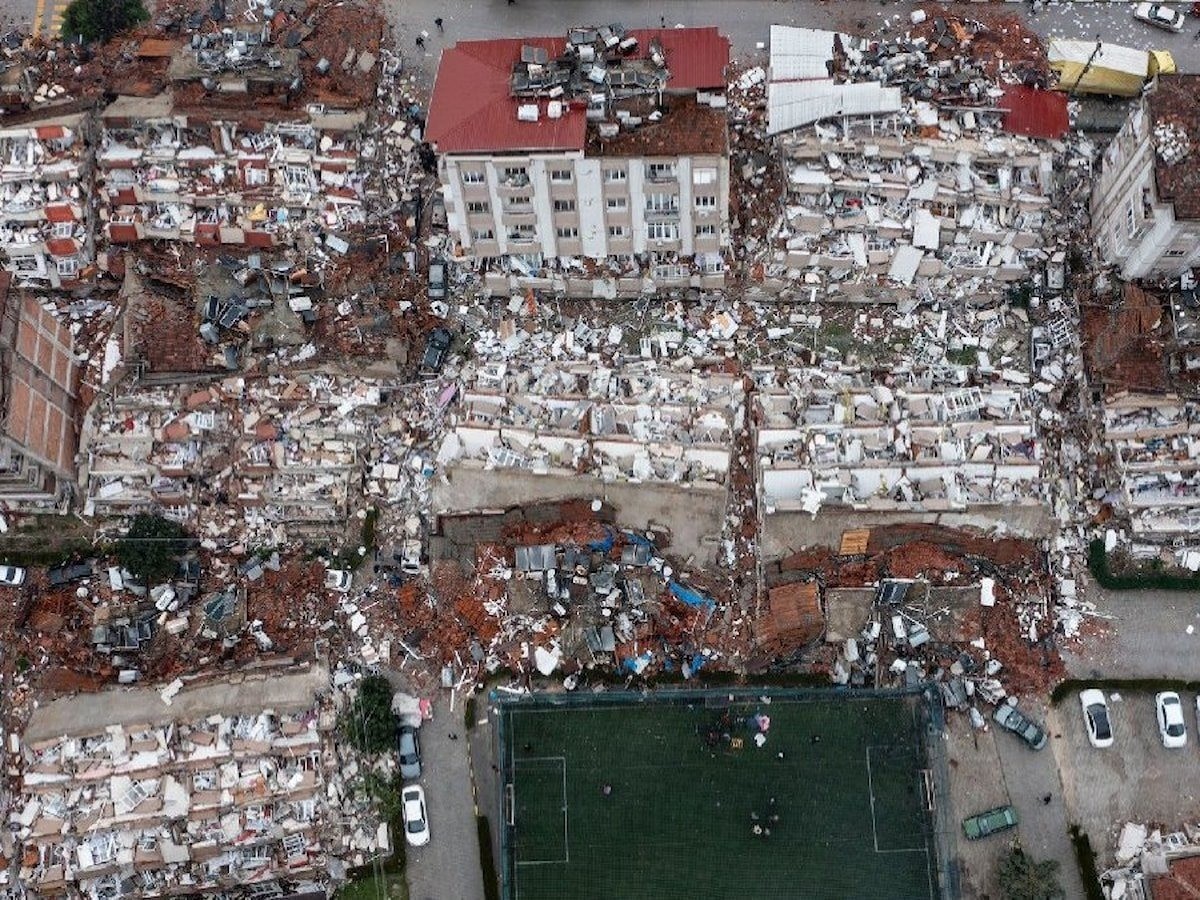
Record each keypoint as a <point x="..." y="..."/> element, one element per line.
<point x="1096" y="80"/>
<point x="1161" y="63"/>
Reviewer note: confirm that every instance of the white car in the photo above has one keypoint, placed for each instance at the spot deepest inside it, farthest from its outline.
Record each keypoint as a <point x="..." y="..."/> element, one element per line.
<point x="1159" y="15"/>
<point x="1095" y="717"/>
<point x="338" y="580"/>
<point x="13" y="576"/>
<point x="416" y="821"/>
<point x="1171" y="727"/>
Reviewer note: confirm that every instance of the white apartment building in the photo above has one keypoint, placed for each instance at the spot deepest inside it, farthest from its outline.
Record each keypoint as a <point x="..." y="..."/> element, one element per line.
<point x="1146" y="202"/>
<point x="611" y="146"/>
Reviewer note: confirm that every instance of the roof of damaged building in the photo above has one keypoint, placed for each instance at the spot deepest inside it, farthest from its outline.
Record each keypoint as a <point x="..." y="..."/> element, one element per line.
<point x="1182" y="881"/>
<point x="1175" y="127"/>
<point x="474" y="107"/>
<point x="1034" y="113"/>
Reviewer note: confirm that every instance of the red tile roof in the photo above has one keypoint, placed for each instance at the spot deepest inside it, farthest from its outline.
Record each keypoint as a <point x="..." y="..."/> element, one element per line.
<point x="59" y="212"/>
<point x="473" y="111"/>
<point x="1034" y="113"/>
<point x="50" y="132"/>
<point x="62" y="246"/>
<point x="122" y="232"/>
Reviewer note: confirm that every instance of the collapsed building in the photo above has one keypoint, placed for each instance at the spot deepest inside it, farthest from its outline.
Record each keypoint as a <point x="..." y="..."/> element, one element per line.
<point x="192" y="794"/>
<point x="1146" y="201"/>
<point x="595" y="166"/>
<point x="903" y="168"/>
<point x="46" y="237"/>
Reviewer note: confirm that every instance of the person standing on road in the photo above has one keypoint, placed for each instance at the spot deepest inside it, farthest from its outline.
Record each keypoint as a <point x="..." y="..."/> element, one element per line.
<point x="438" y="23"/>
<point x="420" y="42"/>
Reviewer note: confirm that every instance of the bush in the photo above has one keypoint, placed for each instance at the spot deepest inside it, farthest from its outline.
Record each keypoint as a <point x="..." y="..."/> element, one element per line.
<point x="1152" y="579"/>
<point x="99" y="20"/>
<point x="369" y="724"/>
<point x="1024" y="878"/>
<point x="1085" y="858"/>
<point x="487" y="863"/>
<point x="151" y="547"/>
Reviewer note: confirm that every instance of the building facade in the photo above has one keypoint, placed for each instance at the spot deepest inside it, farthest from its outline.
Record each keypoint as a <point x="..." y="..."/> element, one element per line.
<point x="1146" y="202"/>
<point x="608" y="147"/>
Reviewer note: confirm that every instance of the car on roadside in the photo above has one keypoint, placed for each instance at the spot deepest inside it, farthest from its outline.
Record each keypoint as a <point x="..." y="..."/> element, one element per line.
<point x="408" y="746"/>
<point x="1026" y="729"/>
<point x="1171" y="727"/>
<point x="437" y="348"/>
<point x="416" y="820"/>
<point x="1159" y="15"/>
<point x="987" y="823"/>
<point x="1095" y="717"/>
<point x="338" y="580"/>
<point x="12" y="576"/>
<point x="436" y="289"/>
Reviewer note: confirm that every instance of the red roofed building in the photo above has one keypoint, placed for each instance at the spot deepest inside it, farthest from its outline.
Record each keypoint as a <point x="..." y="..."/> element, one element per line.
<point x="604" y="144"/>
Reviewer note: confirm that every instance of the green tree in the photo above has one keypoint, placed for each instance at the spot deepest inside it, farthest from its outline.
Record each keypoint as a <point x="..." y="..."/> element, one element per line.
<point x="150" y="548"/>
<point x="1024" y="878"/>
<point x="369" y="723"/>
<point x="99" y="20"/>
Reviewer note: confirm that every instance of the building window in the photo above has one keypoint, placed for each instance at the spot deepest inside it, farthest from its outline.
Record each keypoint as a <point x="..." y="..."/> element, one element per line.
<point x="64" y="229"/>
<point x="26" y="264"/>
<point x="710" y="263"/>
<point x="519" y="204"/>
<point x="564" y="206"/>
<point x="615" y="175"/>
<point x="67" y="266"/>
<point x="522" y="233"/>
<point x="670" y="272"/>
<point x="567" y="234"/>
<point x="662" y="231"/>
<point x="560" y="175"/>
<point x="617" y="231"/>
<point x="482" y="234"/>
<point x="706" y="231"/>
<point x="1175" y="254"/>
<point x="473" y="176"/>
<point x="515" y="176"/>
<point x="660" y="171"/>
<point x="662" y="203"/>
<point x="1131" y="218"/>
<point x="704" y="176"/>
<point x="478" y="206"/>
<point x="706" y="201"/>
<point x="617" y="203"/>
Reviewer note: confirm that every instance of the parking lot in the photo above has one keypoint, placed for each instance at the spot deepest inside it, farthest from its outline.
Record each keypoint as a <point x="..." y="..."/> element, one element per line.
<point x="1136" y="779"/>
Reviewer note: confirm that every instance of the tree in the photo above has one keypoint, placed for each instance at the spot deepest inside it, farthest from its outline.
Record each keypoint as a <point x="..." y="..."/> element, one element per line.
<point x="1024" y="878"/>
<point x="369" y="724"/>
<point x="99" y="20"/>
<point x="150" y="548"/>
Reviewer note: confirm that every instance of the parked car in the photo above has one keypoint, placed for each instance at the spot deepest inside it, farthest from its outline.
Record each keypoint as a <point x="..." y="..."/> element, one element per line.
<point x="1027" y="730"/>
<point x="1095" y="717"/>
<point x="338" y="580"/>
<point x="1171" y="727"/>
<point x="437" y="347"/>
<point x="61" y="575"/>
<point x="1159" y="15"/>
<point x="408" y="745"/>
<point x="416" y="821"/>
<point x="13" y="576"/>
<point x="980" y="826"/>
<point x="436" y="289"/>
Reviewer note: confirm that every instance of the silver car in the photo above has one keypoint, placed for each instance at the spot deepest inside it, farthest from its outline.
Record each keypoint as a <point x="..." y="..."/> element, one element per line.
<point x="408" y="745"/>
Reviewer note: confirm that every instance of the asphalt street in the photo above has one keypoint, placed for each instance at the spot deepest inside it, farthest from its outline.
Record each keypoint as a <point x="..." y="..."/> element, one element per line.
<point x="1146" y="636"/>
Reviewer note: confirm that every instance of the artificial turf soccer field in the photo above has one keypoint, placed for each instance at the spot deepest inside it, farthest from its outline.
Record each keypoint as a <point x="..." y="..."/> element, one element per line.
<point x="677" y="823"/>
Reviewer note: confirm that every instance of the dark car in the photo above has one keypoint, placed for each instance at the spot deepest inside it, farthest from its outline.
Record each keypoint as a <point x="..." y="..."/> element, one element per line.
<point x="1029" y="731"/>
<point x="437" y="280"/>
<point x="437" y="347"/>
<point x="61" y="575"/>
<point x="408" y="745"/>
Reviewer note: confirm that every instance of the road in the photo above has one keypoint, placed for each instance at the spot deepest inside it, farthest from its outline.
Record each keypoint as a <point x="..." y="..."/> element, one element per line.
<point x="1147" y="636"/>
<point x="448" y="867"/>
<point x="748" y="22"/>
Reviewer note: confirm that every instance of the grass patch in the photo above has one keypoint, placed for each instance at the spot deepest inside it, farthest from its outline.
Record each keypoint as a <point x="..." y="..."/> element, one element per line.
<point x="46" y="557"/>
<point x="1137" y="578"/>
<point x="1143" y="685"/>
<point x="487" y="862"/>
<point x="1085" y="859"/>
<point x="349" y="558"/>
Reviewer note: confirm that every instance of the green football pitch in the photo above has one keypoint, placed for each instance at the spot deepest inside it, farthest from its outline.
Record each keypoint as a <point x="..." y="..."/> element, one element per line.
<point x="649" y="799"/>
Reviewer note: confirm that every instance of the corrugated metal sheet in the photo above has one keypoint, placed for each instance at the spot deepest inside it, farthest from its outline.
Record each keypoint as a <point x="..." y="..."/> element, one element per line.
<point x="472" y="110"/>
<point x="1034" y="113"/>
<point x="800" y="52"/>
<point x="791" y="104"/>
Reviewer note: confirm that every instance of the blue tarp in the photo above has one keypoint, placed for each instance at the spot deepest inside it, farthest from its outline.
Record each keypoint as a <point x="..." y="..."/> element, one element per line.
<point x="605" y="545"/>
<point x="691" y="596"/>
<point x="636" y="664"/>
<point x="635" y="538"/>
